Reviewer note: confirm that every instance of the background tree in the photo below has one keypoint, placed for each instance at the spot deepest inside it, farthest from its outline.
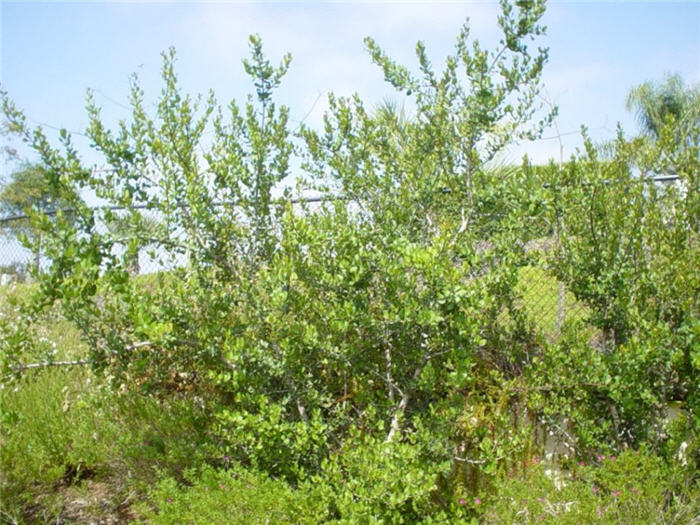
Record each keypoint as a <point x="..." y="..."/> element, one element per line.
<point x="137" y="232"/>
<point x="658" y="103"/>
<point x="27" y="189"/>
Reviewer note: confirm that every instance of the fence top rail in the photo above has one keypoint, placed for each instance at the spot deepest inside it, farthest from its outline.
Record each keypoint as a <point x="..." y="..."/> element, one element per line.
<point x="51" y="212"/>
<point x="298" y="200"/>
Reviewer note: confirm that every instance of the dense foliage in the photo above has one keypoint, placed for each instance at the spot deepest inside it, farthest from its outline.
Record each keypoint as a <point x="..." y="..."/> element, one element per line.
<point x="373" y="352"/>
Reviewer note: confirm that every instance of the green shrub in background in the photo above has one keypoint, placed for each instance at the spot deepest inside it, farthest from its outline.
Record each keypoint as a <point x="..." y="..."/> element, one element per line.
<point x="626" y="248"/>
<point x="632" y="487"/>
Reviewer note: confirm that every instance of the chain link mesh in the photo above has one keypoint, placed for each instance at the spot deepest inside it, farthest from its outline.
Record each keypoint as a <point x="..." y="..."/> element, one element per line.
<point x="544" y="299"/>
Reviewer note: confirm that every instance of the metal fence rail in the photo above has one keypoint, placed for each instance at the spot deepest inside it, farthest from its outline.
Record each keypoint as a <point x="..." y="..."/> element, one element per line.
<point x="15" y="259"/>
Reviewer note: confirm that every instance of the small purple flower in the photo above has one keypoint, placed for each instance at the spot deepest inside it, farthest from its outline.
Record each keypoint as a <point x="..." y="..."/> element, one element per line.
<point x="595" y="490"/>
<point x="477" y="501"/>
<point x="615" y="493"/>
<point x="612" y="458"/>
<point x="221" y="486"/>
<point x="462" y="501"/>
<point x="540" y="499"/>
<point x="632" y="489"/>
<point x="170" y="500"/>
<point x="601" y="457"/>
<point x="535" y="460"/>
<point x="581" y="463"/>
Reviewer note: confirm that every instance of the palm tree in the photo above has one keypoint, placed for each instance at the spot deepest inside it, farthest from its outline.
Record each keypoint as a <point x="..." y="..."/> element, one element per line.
<point x="133" y="228"/>
<point x="669" y="102"/>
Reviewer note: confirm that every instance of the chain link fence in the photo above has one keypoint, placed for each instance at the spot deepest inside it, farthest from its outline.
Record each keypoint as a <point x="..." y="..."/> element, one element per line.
<point x="15" y="259"/>
<point x="545" y="300"/>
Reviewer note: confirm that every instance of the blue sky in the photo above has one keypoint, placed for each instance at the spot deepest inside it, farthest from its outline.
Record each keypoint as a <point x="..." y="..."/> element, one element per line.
<point x="52" y="52"/>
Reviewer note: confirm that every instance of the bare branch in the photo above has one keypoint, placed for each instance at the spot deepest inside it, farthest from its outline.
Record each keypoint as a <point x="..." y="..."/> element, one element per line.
<point x="21" y="368"/>
<point x="82" y="362"/>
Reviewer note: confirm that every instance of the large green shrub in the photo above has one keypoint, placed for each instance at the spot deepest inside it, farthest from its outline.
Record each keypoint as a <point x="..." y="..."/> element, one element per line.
<point x="382" y="332"/>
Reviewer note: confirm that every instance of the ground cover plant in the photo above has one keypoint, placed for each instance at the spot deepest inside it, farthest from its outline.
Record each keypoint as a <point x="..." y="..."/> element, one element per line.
<point x="374" y="358"/>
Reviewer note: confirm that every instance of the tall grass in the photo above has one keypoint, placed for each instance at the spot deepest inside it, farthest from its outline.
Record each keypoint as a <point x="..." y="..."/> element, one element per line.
<point x="60" y="427"/>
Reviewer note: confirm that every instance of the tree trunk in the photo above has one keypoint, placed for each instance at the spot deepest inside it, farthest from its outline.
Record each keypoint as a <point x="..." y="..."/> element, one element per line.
<point x="133" y="266"/>
<point x="37" y="254"/>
